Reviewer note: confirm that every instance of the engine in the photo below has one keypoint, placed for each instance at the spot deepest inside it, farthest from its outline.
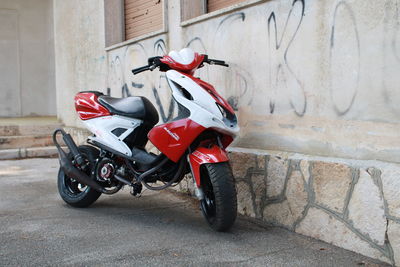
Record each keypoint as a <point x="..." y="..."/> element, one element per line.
<point x="105" y="170"/>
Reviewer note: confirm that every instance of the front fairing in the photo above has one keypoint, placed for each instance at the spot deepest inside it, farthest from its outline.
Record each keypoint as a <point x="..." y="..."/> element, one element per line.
<point x="206" y="106"/>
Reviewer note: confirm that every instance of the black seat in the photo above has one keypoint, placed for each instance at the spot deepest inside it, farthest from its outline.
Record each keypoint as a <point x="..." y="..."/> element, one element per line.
<point x="137" y="107"/>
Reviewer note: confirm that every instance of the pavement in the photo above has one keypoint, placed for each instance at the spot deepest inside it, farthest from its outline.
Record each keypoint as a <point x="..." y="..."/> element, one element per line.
<point x="159" y="229"/>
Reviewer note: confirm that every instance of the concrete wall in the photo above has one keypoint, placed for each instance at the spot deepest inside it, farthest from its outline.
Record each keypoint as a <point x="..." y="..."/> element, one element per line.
<point x="27" y="58"/>
<point x="316" y="77"/>
<point x="315" y="85"/>
<point x="80" y="55"/>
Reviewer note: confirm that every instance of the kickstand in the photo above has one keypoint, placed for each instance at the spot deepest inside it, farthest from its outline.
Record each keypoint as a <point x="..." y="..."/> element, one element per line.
<point x="136" y="190"/>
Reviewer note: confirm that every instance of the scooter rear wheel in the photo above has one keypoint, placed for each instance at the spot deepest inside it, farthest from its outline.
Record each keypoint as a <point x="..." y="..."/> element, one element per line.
<point x="71" y="191"/>
<point x="219" y="206"/>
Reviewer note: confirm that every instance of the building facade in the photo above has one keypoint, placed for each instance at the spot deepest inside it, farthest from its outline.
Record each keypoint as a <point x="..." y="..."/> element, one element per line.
<point x="315" y="85"/>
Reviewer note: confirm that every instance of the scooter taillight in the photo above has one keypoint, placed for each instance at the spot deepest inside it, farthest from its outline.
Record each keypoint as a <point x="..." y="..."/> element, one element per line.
<point x="88" y="107"/>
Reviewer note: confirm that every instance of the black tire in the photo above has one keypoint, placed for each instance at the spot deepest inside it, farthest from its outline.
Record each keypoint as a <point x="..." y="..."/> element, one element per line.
<point x="219" y="206"/>
<point x="71" y="191"/>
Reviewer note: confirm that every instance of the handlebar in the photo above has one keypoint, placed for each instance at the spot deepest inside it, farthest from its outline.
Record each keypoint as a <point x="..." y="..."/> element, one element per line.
<point x="154" y="62"/>
<point x="214" y="61"/>
<point x="141" y="69"/>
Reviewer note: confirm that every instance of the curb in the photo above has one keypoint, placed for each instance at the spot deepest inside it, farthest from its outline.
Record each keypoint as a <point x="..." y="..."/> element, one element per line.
<point x="32" y="152"/>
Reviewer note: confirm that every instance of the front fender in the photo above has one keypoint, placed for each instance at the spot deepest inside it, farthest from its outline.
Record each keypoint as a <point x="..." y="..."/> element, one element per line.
<point x="203" y="155"/>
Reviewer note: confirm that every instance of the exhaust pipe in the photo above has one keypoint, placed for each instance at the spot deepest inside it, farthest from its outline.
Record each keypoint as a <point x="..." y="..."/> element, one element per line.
<point x="69" y="169"/>
<point x="72" y="172"/>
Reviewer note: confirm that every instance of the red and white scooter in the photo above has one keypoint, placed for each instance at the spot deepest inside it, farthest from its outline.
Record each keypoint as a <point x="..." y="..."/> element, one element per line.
<point x="194" y="141"/>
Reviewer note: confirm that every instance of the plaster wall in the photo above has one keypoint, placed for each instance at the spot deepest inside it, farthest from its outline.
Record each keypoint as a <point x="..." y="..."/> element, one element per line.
<point x="80" y="55"/>
<point x="316" y="77"/>
<point x="27" y="58"/>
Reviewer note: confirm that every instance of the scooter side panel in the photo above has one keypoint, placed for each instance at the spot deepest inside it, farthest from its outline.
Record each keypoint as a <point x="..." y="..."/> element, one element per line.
<point x="173" y="138"/>
<point x="103" y="127"/>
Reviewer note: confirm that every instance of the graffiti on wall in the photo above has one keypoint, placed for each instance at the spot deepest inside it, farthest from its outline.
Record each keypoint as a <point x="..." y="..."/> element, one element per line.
<point x="344" y="63"/>
<point x="280" y="72"/>
<point x="279" y="38"/>
<point x="236" y="79"/>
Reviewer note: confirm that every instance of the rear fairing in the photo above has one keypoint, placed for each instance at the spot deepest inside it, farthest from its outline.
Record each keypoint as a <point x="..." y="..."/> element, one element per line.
<point x="113" y="131"/>
<point x="88" y="106"/>
<point x="119" y="133"/>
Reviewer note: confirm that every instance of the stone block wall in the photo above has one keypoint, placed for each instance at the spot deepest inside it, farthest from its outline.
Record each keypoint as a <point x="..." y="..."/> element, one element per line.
<point x="351" y="204"/>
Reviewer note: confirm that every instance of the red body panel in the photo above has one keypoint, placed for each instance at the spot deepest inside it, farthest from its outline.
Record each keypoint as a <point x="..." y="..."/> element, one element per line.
<point x="226" y="140"/>
<point x="186" y="68"/>
<point x="204" y="155"/>
<point x="173" y="138"/>
<point x="88" y="107"/>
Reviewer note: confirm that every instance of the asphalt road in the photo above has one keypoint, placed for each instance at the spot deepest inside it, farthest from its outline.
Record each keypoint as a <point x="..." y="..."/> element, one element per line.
<point x="159" y="229"/>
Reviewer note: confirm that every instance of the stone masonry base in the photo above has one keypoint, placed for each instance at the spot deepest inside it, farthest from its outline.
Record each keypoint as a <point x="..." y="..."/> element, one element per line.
<point x="352" y="204"/>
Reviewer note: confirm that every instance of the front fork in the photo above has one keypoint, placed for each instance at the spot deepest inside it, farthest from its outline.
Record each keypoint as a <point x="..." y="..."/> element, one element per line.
<point x="204" y="155"/>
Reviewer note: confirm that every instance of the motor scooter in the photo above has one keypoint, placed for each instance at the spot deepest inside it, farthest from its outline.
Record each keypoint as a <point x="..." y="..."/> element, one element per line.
<point x="195" y="142"/>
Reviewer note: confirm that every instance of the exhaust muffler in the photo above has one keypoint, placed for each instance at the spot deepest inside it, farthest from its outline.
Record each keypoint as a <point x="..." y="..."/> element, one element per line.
<point x="69" y="169"/>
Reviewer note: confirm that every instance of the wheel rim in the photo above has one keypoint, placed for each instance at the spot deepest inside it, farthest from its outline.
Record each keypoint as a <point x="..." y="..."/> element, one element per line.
<point x="208" y="206"/>
<point x="73" y="186"/>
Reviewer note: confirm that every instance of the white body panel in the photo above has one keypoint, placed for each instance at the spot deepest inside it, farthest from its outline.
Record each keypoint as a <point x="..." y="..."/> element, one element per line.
<point x="203" y="109"/>
<point x="102" y="127"/>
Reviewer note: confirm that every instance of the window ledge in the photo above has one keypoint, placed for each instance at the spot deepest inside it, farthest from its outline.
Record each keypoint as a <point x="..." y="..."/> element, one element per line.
<point x="136" y="39"/>
<point x="220" y="12"/>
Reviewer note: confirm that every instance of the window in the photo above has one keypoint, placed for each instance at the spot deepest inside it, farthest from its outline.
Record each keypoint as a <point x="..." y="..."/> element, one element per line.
<point x="127" y="19"/>
<point x="195" y="8"/>
<point x="142" y="17"/>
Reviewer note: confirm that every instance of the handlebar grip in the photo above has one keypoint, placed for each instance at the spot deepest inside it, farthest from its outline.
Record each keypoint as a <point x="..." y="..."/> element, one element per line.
<point x="141" y="69"/>
<point x="223" y="64"/>
<point x="217" y="62"/>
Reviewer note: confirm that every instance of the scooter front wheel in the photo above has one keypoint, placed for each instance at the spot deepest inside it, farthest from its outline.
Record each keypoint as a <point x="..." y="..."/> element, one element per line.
<point x="219" y="206"/>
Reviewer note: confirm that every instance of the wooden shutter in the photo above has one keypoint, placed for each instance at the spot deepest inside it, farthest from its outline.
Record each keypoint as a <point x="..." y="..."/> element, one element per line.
<point x="192" y="8"/>
<point x="143" y="16"/>
<point x="218" y="4"/>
